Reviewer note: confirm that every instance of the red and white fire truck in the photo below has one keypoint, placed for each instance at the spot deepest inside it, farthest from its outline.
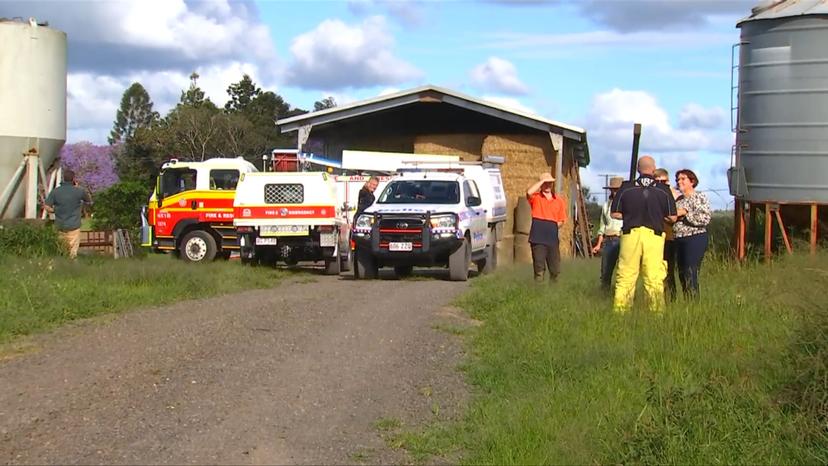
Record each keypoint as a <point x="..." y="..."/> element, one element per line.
<point x="190" y="211"/>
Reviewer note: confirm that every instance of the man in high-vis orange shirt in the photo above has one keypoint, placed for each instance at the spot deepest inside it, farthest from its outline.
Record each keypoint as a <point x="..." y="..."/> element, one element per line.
<point x="548" y="215"/>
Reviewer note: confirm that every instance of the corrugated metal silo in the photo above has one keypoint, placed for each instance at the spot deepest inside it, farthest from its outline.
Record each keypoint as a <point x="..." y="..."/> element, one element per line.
<point x="782" y="139"/>
<point x="32" y="109"/>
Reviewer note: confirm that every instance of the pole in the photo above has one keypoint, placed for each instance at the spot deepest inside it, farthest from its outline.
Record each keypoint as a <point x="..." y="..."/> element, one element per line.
<point x="634" y="157"/>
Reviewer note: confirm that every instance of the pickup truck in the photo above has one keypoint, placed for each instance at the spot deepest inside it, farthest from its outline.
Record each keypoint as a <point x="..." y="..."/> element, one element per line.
<point x="449" y="216"/>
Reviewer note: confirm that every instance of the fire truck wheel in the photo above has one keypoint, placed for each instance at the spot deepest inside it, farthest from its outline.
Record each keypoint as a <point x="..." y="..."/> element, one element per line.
<point x="198" y="246"/>
<point x="459" y="262"/>
<point x="365" y="266"/>
<point x="332" y="266"/>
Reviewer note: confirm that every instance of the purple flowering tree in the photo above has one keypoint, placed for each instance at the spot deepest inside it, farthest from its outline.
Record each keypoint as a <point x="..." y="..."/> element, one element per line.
<point x="94" y="166"/>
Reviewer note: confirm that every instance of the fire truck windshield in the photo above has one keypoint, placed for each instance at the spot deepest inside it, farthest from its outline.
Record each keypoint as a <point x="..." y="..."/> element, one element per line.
<point x="176" y="180"/>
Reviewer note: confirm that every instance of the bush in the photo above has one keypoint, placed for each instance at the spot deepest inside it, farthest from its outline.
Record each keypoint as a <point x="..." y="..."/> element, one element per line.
<point x="119" y="206"/>
<point x="30" y="239"/>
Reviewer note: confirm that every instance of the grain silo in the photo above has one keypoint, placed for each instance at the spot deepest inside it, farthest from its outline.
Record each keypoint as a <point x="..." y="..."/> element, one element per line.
<point x="780" y="161"/>
<point x="32" y="111"/>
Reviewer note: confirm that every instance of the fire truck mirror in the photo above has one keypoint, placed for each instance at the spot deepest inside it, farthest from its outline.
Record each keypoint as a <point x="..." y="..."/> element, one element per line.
<point x="194" y="205"/>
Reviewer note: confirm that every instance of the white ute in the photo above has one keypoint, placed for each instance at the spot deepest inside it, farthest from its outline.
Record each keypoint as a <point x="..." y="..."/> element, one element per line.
<point x="291" y="217"/>
<point x="448" y="215"/>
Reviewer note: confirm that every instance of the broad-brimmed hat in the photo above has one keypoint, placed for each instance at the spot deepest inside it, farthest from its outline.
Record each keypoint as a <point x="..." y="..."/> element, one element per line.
<point x="615" y="182"/>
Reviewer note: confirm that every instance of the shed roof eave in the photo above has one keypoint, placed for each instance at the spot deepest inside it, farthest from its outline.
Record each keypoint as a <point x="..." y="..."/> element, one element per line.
<point x="413" y="95"/>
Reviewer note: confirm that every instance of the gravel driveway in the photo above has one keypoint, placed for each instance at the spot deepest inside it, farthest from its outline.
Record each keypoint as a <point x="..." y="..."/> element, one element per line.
<point x="299" y="373"/>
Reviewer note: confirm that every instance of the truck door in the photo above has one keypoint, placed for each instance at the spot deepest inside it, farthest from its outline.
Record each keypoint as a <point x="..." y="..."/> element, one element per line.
<point x="477" y="215"/>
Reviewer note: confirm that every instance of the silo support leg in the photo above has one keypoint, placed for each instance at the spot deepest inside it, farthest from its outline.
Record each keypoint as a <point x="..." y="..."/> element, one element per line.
<point x="11" y="188"/>
<point x="768" y="232"/>
<point x="32" y="177"/>
<point x="814" y="222"/>
<point x="779" y="222"/>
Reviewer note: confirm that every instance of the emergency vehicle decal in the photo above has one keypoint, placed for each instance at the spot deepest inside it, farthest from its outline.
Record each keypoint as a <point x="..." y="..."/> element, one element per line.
<point x="285" y="211"/>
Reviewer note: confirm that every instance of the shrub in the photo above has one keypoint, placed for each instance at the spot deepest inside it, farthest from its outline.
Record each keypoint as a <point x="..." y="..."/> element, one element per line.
<point x="119" y="206"/>
<point x="30" y="239"/>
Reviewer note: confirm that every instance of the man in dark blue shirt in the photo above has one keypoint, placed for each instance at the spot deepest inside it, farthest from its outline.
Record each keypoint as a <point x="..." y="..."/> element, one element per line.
<point x="65" y="202"/>
<point x="643" y="205"/>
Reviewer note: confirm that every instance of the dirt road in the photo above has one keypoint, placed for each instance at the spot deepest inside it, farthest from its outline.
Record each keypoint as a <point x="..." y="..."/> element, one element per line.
<point x="298" y="373"/>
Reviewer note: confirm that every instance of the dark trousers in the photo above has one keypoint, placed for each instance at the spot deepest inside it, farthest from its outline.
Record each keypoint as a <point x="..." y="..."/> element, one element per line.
<point x="546" y="256"/>
<point x="670" y="258"/>
<point x="609" y="257"/>
<point x="690" y="252"/>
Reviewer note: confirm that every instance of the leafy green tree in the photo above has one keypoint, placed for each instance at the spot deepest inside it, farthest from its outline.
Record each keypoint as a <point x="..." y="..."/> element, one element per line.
<point x="327" y="102"/>
<point x="194" y="96"/>
<point x="135" y="112"/>
<point x="242" y="94"/>
<point x="119" y="206"/>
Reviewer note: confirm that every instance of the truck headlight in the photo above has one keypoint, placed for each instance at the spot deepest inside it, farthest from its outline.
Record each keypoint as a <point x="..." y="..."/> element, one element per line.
<point x="444" y="221"/>
<point x="364" y="221"/>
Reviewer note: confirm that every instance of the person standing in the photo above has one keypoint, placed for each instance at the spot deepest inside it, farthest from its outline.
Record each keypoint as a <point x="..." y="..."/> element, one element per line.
<point x="609" y="236"/>
<point x="643" y="205"/>
<point x="548" y="215"/>
<point x="66" y="202"/>
<point x="663" y="176"/>
<point x="690" y="231"/>
<point x="366" y="195"/>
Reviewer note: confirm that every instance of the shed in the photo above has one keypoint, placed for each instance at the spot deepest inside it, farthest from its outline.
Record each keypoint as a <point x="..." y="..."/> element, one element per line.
<point x="435" y="120"/>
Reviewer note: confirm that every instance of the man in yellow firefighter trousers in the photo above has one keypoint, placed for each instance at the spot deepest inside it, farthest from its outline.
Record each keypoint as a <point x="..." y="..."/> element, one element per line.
<point x="643" y="205"/>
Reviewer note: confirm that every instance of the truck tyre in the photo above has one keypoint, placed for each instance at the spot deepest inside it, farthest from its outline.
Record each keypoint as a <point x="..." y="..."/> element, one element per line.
<point x="459" y="262"/>
<point x="365" y="266"/>
<point x="403" y="271"/>
<point x="198" y="246"/>
<point x="332" y="266"/>
<point x="347" y="261"/>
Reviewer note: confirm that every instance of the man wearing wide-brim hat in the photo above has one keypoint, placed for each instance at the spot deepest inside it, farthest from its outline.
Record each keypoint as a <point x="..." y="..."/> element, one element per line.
<point x="609" y="236"/>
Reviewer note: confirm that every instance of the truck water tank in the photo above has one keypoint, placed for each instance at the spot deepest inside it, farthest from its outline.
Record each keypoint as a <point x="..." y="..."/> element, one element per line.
<point x="33" y="97"/>
<point x="783" y="104"/>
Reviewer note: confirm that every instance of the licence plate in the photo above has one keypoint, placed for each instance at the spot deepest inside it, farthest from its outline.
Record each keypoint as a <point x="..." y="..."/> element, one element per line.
<point x="400" y="246"/>
<point x="265" y="241"/>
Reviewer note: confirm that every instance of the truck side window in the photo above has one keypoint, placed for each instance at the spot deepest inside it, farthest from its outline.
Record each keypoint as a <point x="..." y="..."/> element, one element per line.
<point x="174" y="181"/>
<point x="471" y="190"/>
<point x="224" y="180"/>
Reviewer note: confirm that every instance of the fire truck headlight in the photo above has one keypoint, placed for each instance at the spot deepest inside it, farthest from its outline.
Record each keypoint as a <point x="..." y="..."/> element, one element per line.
<point x="364" y="221"/>
<point x="444" y="221"/>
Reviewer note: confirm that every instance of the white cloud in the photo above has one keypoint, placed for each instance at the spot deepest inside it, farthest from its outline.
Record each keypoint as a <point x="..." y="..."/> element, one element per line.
<point x="610" y="121"/>
<point x="509" y="102"/>
<point x="499" y="75"/>
<point x="696" y="116"/>
<point x="600" y="40"/>
<point x="636" y="15"/>
<point x="407" y="12"/>
<point x="121" y="37"/>
<point x="336" y="55"/>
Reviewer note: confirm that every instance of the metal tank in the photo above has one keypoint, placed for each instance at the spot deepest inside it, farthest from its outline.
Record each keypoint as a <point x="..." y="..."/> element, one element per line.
<point x="32" y="110"/>
<point x="782" y="125"/>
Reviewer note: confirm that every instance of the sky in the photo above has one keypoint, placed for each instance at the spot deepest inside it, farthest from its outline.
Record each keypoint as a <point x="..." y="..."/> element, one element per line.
<point x="602" y="65"/>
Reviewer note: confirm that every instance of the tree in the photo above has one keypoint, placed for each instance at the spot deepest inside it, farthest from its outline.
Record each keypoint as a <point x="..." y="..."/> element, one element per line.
<point x="242" y="94"/>
<point x="135" y="112"/>
<point x="194" y="96"/>
<point x="327" y="102"/>
<point x="94" y="166"/>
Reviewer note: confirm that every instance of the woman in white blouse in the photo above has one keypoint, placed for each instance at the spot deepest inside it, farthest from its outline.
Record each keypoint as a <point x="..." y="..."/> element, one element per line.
<point x="690" y="231"/>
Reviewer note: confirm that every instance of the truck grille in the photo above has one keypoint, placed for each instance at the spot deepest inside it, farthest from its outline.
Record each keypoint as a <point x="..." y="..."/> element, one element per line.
<point x="284" y="193"/>
<point x="401" y="230"/>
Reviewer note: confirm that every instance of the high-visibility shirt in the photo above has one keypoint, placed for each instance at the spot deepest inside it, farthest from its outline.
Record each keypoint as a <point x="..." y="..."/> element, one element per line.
<point x="553" y="209"/>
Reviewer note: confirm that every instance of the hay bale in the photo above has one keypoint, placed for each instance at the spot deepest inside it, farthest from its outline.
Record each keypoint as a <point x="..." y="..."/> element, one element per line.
<point x="523" y="216"/>
<point x="467" y="146"/>
<point x="523" y="250"/>
<point x="506" y="250"/>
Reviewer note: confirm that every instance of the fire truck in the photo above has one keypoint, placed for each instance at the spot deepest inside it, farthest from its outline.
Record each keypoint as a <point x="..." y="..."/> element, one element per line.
<point x="190" y="211"/>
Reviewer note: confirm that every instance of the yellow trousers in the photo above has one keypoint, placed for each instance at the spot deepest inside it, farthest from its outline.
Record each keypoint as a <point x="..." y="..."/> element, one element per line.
<point x="641" y="249"/>
<point x="72" y="240"/>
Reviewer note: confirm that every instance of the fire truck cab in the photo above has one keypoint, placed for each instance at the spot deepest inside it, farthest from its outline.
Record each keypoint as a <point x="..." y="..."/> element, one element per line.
<point x="190" y="212"/>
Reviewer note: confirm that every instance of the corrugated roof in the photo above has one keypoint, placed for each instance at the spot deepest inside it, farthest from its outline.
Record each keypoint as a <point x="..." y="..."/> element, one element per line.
<point x="399" y="98"/>
<point x="775" y="9"/>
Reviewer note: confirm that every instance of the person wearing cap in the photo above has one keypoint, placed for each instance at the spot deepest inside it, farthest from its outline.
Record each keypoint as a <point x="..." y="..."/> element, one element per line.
<point x="643" y="205"/>
<point x="548" y="215"/>
<point x="609" y="236"/>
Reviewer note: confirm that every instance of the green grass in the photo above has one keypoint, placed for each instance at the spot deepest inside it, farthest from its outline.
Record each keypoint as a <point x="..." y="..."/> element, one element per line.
<point x="40" y="293"/>
<point x="739" y="377"/>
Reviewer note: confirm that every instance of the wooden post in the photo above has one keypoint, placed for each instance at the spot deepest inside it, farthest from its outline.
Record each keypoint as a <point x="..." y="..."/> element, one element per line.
<point x="739" y="232"/>
<point x="768" y="232"/>
<point x="814" y="223"/>
<point x="782" y="230"/>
